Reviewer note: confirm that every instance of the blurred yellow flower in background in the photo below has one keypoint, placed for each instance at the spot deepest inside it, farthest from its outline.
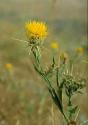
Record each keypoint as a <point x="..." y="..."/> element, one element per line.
<point x="79" y="50"/>
<point x="8" y="66"/>
<point x="36" y="30"/>
<point x="54" y="45"/>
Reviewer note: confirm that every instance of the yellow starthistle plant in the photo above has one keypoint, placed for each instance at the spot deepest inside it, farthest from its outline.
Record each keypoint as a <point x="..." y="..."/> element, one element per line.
<point x="36" y="30"/>
<point x="79" y="50"/>
<point x="54" y="45"/>
<point x="64" y="82"/>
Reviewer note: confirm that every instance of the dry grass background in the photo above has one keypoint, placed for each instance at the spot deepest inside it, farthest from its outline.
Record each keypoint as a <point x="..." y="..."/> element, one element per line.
<point x="24" y="99"/>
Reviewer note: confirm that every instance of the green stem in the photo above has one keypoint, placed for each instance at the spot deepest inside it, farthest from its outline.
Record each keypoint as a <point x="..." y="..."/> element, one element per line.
<point x="69" y="104"/>
<point x="65" y="118"/>
<point x="69" y="101"/>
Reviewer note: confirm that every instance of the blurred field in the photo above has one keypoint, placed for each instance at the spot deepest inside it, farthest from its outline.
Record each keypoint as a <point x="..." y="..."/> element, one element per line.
<point x="22" y="100"/>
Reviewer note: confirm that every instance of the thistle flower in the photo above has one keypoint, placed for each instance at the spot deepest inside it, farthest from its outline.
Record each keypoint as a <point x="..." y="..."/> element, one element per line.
<point x="36" y="30"/>
<point x="54" y="45"/>
<point x="79" y="50"/>
<point x="8" y="66"/>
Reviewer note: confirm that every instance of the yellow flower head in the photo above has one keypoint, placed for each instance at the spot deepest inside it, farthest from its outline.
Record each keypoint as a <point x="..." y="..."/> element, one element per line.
<point x="54" y="45"/>
<point x="8" y="66"/>
<point x="80" y="50"/>
<point x="36" y="30"/>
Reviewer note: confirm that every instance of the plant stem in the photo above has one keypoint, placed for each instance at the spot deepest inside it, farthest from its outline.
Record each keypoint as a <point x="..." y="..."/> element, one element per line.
<point x="65" y="118"/>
